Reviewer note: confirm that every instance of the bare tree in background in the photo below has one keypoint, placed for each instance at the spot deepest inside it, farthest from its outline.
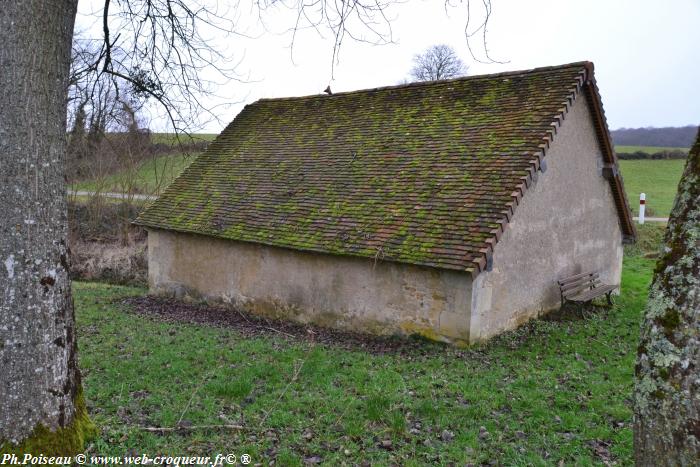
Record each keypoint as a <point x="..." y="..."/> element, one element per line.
<point x="437" y="62"/>
<point x="99" y="104"/>
<point x="667" y="386"/>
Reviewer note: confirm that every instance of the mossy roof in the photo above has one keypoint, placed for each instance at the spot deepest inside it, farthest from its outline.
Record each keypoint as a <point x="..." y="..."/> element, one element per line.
<point x="424" y="173"/>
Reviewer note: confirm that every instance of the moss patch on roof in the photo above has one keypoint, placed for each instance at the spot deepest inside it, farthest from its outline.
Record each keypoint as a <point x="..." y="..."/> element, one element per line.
<point x="421" y="173"/>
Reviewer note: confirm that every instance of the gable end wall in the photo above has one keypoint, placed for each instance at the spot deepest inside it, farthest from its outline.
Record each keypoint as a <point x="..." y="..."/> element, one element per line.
<point x="566" y="223"/>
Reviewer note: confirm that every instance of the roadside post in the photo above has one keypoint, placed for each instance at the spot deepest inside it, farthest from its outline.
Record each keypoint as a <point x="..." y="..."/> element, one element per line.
<point x="642" y="205"/>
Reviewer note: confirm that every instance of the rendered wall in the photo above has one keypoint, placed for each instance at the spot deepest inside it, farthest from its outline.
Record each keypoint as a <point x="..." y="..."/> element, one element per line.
<point x="565" y="224"/>
<point x="342" y="292"/>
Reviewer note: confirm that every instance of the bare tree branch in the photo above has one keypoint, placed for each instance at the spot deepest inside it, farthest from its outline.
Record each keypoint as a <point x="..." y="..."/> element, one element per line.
<point x="161" y="54"/>
<point x="482" y="27"/>
<point x="163" y="46"/>
<point x="362" y="21"/>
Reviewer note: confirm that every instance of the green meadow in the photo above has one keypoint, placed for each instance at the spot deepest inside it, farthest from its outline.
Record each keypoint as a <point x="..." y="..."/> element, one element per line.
<point x="658" y="179"/>
<point x="172" y="139"/>
<point x="149" y="177"/>
<point x="647" y="149"/>
<point x="554" y="392"/>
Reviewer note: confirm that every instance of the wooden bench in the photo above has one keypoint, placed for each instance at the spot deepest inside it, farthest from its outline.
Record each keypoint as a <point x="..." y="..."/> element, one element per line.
<point x="583" y="288"/>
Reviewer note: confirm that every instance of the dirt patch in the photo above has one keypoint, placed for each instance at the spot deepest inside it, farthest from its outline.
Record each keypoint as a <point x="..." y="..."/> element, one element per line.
<point x="248" y="325"/>
<point x="601" y="449"/>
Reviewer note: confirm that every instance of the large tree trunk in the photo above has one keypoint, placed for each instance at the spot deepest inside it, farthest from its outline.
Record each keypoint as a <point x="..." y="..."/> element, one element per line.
<point x="41" y="406"/>
<point x="667" y="390"/>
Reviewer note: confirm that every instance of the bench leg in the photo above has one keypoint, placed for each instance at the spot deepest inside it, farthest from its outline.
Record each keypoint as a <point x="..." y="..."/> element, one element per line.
<point x="609" y="297"/>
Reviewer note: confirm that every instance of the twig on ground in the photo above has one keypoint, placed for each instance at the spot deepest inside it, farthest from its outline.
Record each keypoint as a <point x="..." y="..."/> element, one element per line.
<point x="295" y="376"/>
<point x="273" y="329"/>
<point x="155" y="429"/>
<point x="189" y="402"/>
<point x="268" y="327"/>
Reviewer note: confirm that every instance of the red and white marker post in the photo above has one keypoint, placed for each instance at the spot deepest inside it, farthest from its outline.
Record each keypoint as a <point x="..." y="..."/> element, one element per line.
<point x="642" y="205"/>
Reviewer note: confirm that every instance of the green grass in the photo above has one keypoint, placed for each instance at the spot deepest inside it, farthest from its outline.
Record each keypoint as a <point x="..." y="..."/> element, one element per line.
<point x="647" y="149"/>
<point x="171" y="139"/>
<point x="657" y="178"/>
<point x="545" y="393"/>
<point x="149" y="177"/>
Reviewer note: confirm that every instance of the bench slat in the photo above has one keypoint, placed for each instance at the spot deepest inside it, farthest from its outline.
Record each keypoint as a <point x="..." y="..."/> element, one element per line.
<point x="573" y="285"/>
<point x="587" y="282"/>
<point x="583" y="287"/>
<point x="576" y="277"/>
<point x="591" y="294"/>
<point x="576" y="291"/>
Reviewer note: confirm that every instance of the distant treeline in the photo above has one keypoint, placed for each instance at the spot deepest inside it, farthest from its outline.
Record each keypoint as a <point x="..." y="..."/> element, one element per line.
<point x="665" y="154"/>
<point x="669" y="137"/>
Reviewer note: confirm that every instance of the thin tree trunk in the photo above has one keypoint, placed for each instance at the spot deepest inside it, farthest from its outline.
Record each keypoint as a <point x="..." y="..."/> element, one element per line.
<point x="41" y="407"/>
<point x="667" y="386"/>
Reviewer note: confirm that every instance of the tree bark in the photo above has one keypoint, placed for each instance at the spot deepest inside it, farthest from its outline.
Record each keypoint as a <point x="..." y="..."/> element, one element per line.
<point x="667" y="385"/>
<point x="41" y="407"/>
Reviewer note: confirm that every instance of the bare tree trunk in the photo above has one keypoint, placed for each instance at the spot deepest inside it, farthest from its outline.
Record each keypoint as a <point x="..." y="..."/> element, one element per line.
<point x="41" y="406"/>
<point x="667" y="386"/>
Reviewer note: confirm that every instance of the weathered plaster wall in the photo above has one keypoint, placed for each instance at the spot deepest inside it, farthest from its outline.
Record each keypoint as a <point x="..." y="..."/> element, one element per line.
<point x="342" y="292"/>
<point x="565" y="224"/>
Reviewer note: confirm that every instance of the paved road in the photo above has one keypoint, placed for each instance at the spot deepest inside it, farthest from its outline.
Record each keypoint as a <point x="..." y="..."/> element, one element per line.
<point x="113" y="195"/>
<point x="653" y="219"/>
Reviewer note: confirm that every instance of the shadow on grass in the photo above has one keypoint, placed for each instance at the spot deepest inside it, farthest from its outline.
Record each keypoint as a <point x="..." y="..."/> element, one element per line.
<point x="577" y="312"/>
<point x="250" y="325"/>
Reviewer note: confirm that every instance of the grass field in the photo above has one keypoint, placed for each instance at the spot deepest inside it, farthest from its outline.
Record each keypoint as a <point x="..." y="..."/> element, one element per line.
<point x="658" y="179"/>
<point x="550" y="393"/>
<point x="171" y="139"/>
<point x="647" y="149"/>
<point x="150" y="177"/>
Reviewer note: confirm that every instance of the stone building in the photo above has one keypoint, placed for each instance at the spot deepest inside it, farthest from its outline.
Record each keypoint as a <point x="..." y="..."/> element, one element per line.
<point x="447" y="209"/>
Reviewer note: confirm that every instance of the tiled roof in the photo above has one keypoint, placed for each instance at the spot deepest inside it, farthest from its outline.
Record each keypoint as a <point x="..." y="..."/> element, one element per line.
<point x="425" y="173"/>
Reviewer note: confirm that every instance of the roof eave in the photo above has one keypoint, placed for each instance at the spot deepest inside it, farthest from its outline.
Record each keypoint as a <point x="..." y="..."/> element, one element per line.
<point x="586" y="83"/>
<point x="629" y="231"/>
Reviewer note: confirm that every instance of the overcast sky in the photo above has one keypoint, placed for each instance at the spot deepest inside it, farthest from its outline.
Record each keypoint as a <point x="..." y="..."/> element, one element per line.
<point x="645" y="52"/>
